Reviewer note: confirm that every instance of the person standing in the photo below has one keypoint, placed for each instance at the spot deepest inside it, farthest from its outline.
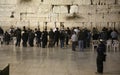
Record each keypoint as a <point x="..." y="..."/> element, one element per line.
<point x="1" y="35"/>
<point x="74" y="40"/>
<point x="38" y="34"/>
<point x="56" y="36"/>
<point x="31" y="38"/>
<point x="24" y="38"/>
<point x="44" y="38"/>
<point x="80" y="40"/>
<point x="7" y="38"/>
<point x="62" y="38"/>
<point x="18" y="36"/>
<point x="101" y="56"/>
<point x="114" y="35"/>
<point x="51" y="38"/>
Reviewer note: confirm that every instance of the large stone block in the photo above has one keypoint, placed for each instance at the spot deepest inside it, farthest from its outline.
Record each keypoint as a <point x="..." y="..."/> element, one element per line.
<point x="5" y="14"/>
<point x="96" y="18"/>
<point x="114" y="8"/>
<point x="112" y="24"/>
<point x="117" y="25"/>
<point x="78" y="2"/>
<point x="92" y="9"/>
<point x="71" y="18"/>
<point x="54" y="18"/>
<point x="2" y="1"/>
<point x="31" y="7"/>
<point x="45" y="8"/>
<point x="102" y="9"/>
<point x="5" y="25"/>
<point x="85" y="9"/>
<point x="10" y="2"/>
<point x="52" y="25"/>
<point x="7" y="8"/>
<point x="56" y="9"/>
<point x="86" y="2"/>
<point x="118" y="1"/>
<point x="60" y="9"/>
<point x="74" y="9"/>
<point x="96" y="2"/>
<point x="78" y="24"/>
<point x="112" y="17"/>
<point x="82" y="2"/>
<point x="72" y="24"/>
<point x="110" y="1"/>
<point x="58" y="2"/>
<point x="33" y="24"/>
<point x="63" y="9"/>
<point x="22" y="23"/>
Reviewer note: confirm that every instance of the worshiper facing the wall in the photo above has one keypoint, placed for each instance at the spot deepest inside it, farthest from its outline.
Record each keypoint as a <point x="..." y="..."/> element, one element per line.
<point x="74" y="40"/>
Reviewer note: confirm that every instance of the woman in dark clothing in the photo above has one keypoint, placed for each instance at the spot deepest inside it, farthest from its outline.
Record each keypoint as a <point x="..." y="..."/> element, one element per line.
<point x="101" y="56"/>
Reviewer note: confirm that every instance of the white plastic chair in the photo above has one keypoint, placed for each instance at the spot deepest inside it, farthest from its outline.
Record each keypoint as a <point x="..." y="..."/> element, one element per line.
<point x="109" y="45"/>
<point x="115" y="45"/>
<point x="94" y="44"/>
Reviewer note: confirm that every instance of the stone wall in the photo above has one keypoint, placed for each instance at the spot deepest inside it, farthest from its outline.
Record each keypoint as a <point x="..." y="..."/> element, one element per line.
<point x="82" y="13"/>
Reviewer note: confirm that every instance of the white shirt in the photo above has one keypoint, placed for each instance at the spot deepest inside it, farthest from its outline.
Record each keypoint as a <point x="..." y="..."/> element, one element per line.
<point x="77" y="31"/>
<point x="74" y="37"/>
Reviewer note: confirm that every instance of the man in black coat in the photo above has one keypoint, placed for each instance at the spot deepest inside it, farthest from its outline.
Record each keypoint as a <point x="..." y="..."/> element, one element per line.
<point x="56" y="36"/>
<point x="18" y="36"/>
<point x="101" y="56"/>
<point x="51" y="38"/>
<point x="24" y="38"/>
<point x="44" y="38"/>
<point x="38" y="34"/>
<point x="31" y="38"/>
<point x="62" y="38"/>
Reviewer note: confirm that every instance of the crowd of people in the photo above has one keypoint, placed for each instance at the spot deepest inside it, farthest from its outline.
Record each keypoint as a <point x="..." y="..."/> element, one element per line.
<point x="55" y="37"/>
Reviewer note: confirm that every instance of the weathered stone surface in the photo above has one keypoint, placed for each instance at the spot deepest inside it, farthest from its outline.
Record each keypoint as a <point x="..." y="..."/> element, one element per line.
<point x="85" y="9"/>
<point x="82" y="13"/>
<point x="102" y="9"/>
<point x="96" y="2"/>
<point x="114" y="8"/>
<point x="118" y="1"/>
<point x="60" y="9"/>
<point x="58" y="2"/>
<point x="74" y="9"/>
<point x="110" y="1"/>
<point x="45" y="8"/>
<point x="86" y="2"/>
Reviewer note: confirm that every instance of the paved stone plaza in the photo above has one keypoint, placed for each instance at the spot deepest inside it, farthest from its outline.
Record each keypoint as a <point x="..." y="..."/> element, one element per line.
<point x="55" y="61"/>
